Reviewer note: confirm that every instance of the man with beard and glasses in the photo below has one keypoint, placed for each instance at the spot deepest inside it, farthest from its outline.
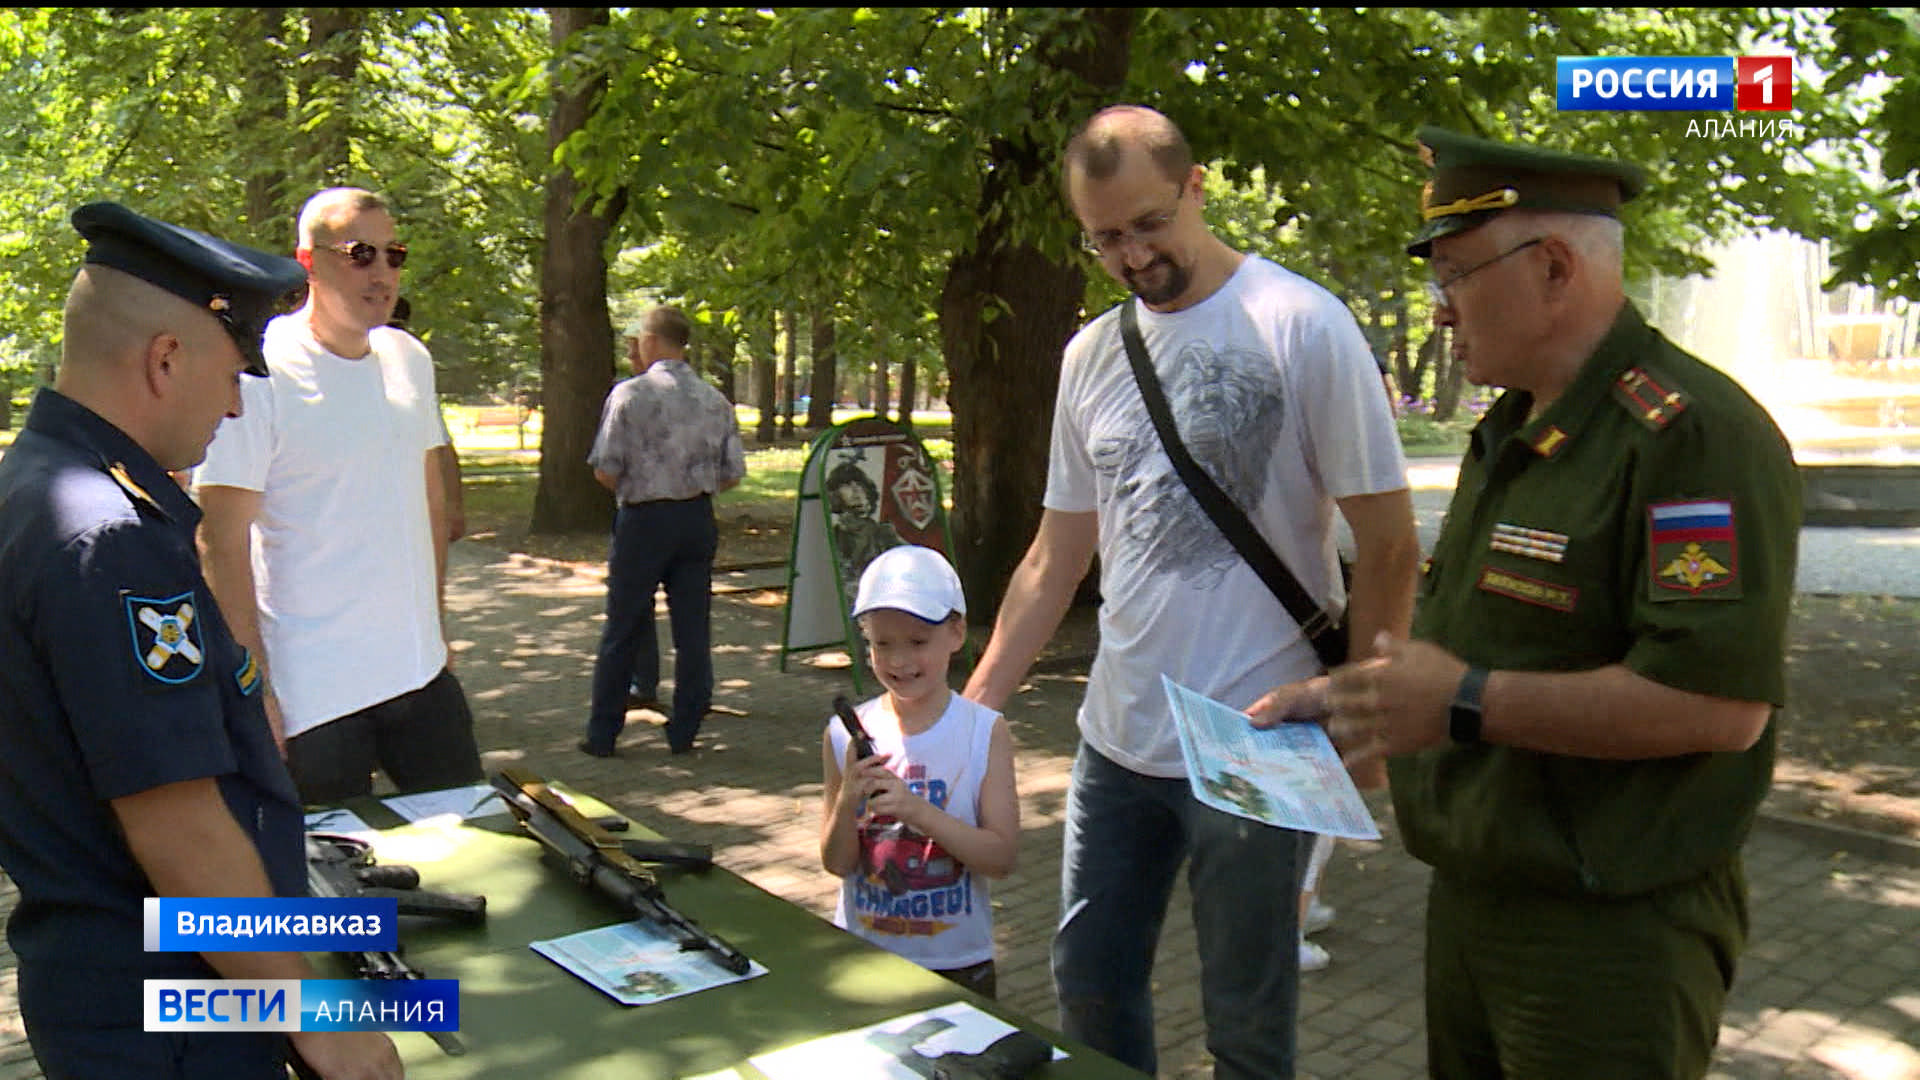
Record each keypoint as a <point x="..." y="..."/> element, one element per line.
<point x="1274" y="392"/>
<point x="325" y="538"/>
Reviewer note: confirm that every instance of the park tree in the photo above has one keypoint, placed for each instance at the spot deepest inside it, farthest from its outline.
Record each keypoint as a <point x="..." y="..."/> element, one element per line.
<point x="576" y="333"/>
<point x="227" y="119"/>
<point x="894" y="142"/>
<point x="894" y="168"/>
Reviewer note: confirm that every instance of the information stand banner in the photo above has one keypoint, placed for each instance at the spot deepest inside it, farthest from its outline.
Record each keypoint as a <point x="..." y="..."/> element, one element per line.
<point x="868" y="485"/>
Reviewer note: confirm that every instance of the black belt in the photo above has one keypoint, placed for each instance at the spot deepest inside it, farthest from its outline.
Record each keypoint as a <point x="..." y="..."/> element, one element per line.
<point x="664" y="502"/>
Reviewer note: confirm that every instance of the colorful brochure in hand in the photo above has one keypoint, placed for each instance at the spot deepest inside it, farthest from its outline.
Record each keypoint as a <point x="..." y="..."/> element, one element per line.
<point x="636" y="963"/>
<point x="1287" y="775"/>
<point x="877" y="1052"/>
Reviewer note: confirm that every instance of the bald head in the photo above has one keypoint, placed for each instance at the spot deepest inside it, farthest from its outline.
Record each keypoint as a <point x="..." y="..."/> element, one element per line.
<point x="324" y="215"/>
<point x="112" y="315"/>
<point x="1099" y="148"/>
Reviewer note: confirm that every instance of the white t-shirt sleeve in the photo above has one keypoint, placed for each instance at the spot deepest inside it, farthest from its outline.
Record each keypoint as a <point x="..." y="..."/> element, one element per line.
<point x="242" y="447"/>
<point x="1349" y="429"/>
<point x="1071" y="486"/>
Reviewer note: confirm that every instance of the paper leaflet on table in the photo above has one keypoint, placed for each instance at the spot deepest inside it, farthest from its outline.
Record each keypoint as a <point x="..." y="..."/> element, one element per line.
<point x="636" y="964"/>
<point x="471" y="801"/>
<point x="1287" y="775"/>
<point x="856" y="1055"/>
<point x="340" y="822"/>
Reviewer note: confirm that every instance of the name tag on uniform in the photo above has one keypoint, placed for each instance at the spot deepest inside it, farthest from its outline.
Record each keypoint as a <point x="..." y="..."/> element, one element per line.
<point x="1528" y="590"/>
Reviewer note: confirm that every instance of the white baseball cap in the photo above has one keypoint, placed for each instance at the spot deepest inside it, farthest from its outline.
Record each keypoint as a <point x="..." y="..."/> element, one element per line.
<point x="916" y="580"/>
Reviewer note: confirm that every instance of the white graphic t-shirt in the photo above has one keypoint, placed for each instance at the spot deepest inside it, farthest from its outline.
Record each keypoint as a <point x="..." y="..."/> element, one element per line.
<point x="910" y="896"/>
<point x="1276" y="395"/>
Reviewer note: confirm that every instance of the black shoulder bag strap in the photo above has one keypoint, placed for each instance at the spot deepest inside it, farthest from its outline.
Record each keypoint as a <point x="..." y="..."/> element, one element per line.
<point x="1328" y="638"/>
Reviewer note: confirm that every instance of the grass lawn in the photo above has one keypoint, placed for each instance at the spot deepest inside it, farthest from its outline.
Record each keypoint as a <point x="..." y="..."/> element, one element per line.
<point x="756" y="517"/>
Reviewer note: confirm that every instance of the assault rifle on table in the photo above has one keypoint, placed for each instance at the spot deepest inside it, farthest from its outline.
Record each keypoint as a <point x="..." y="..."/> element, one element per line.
<point x="594" y="857"/>
<point x="342" y="867"/>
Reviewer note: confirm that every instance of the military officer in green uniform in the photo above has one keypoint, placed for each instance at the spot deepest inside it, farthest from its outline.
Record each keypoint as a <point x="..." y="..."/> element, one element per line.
<point x="1580" y="729"/>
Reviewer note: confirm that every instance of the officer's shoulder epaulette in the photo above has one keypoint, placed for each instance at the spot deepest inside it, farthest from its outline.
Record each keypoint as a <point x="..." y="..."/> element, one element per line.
<point x="142" y="501"/>
<point x="1651" y="397"/>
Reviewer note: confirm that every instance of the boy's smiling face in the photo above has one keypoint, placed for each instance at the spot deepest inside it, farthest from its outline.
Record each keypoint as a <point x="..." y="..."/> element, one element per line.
<point x="910" y="655"/>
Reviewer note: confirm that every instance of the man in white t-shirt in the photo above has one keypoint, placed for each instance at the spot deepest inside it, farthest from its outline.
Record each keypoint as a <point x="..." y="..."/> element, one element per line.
<point x="1274" y="392"/>
<point x="324" y="535"/>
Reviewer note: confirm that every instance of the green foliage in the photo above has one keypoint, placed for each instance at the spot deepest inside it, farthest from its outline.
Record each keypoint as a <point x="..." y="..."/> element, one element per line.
<point x="835" y="160"/>
<point x="227" y="119"/>
<point x="1875" y="54"/>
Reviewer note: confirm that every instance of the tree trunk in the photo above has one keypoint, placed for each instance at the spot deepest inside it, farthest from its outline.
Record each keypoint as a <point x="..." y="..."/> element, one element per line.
<point x="908" y="372"/>
<point x="265" y="198"/>
<point x="328" y="78"/>
<point x="1003" y="373"/>
<point x="1447" y="379"/>
<point x="820" y="388"/>
<point x="761" y="343"/>
<point x="576" y="333"/>
<point x="882" y="388"/>
<point x="789" y="371"/>
<point x="1400" y="355"/>
<point x="722" y="345"/>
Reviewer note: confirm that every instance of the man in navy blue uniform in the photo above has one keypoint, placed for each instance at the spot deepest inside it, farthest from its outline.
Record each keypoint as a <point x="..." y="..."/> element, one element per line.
<point x="135" y="757"/>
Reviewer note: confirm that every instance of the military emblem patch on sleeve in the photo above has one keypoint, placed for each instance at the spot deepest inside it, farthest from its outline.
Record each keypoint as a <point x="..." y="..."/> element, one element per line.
<point x="166" y="637"/>
<point x="1692" y="550"/>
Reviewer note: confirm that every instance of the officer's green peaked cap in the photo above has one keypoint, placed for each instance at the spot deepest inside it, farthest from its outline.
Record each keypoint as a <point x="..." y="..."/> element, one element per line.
<point x="1474" y="179"/>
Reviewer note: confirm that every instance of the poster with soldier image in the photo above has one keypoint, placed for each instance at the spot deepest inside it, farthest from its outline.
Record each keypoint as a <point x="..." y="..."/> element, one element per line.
<point x="868" y="485"/>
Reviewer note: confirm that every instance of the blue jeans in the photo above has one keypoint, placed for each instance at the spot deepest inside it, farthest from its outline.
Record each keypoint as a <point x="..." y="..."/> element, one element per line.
<point x="655" y="544"/>
<point x="1126" y="836"/>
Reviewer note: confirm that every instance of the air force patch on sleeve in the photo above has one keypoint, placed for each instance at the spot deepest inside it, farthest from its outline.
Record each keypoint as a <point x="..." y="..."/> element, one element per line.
<point x="166" y="637"/>
<point x="1692" y="550"/>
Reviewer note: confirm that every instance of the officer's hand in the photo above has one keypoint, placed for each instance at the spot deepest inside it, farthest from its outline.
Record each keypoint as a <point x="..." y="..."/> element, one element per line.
<point x="1394" y="703"/>
<point x="349" y="1055"/>
<point x="1296" y="701"/>
<point x="1306" y="701"/>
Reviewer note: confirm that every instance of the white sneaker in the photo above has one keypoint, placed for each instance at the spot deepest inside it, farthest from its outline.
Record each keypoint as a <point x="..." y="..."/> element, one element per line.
<point x="1319" y="916"/>
<point x="1312" y="956"/>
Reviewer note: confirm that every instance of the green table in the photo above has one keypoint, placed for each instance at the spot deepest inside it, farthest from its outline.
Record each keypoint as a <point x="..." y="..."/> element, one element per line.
<point x="521" y="1015"/>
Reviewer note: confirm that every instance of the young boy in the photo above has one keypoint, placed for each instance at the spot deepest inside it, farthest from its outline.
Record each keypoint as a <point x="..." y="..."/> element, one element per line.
<point x="915" y="830"/>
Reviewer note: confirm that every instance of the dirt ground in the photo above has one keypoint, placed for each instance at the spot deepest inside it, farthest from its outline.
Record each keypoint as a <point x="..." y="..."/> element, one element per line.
<point x="1850" y="734"/>
<point x="1849" y="738"/>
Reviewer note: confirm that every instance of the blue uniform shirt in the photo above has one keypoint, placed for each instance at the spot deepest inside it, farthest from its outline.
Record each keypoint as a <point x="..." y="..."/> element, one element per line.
<point x="117" y="675"/>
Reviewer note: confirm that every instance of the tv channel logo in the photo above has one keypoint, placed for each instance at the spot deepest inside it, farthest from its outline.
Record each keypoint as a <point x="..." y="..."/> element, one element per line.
<point x="1674" y="83"/>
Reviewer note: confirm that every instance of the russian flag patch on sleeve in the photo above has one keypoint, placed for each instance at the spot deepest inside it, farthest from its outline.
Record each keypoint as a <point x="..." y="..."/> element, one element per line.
<point x="1692" y="550"/>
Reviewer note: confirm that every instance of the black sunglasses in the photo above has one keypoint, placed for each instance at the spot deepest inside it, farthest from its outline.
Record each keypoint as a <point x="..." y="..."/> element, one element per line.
<point x="362" y="253"/>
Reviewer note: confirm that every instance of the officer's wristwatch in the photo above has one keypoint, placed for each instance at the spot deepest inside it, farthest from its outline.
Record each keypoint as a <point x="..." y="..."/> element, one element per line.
<point x="1463" y="715"/>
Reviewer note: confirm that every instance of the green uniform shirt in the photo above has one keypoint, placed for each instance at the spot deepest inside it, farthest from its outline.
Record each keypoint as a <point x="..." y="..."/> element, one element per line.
<point x="1650" y="517"/>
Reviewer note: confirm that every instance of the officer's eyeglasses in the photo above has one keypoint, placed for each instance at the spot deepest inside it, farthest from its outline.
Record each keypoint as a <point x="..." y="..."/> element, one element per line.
<point x="362" y="254"/>
<point x="1143" y="231"/>
<point x="1437" y="290"/>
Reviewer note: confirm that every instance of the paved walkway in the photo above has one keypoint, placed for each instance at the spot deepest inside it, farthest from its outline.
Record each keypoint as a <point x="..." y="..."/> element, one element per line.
<point x="1829" y="989"/>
